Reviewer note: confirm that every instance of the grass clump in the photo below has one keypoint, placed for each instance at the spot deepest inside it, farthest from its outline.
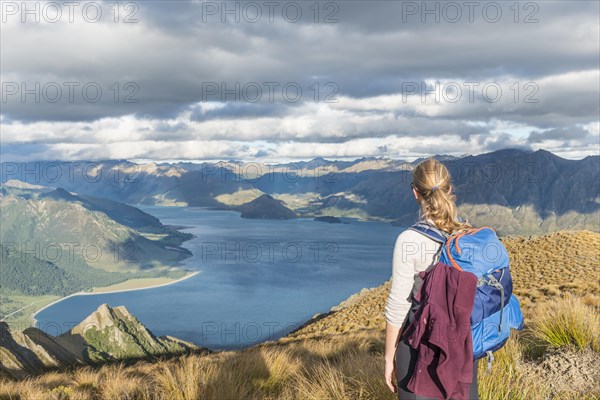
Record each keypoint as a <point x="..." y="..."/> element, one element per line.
<point x="509" y="379"/>
<point x="566" y="322"/>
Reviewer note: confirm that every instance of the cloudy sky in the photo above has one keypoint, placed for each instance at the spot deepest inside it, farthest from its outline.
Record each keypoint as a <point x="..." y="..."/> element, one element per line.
<point x="277" y="81"/>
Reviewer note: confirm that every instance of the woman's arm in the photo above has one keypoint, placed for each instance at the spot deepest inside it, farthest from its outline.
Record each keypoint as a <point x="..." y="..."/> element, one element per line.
<point x="406" y="250"/>
<point x="398" y="302"/>
<point x="392" y="333"/>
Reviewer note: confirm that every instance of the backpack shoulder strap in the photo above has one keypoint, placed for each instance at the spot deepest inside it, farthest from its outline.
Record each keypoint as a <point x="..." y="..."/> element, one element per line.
<point x="432" y="233"/>
<point x="427" y="230"/>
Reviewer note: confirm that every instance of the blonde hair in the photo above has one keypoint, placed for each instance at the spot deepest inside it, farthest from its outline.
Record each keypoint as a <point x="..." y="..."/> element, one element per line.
<point x="432" y="181"/>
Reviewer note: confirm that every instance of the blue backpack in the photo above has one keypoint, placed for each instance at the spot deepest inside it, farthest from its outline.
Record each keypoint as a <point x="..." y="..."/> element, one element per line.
<point x="496" y="309"/>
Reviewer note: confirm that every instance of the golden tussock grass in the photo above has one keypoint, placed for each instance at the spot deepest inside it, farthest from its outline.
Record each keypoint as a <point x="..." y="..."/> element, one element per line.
<point x="344" y="367"/>
<point x="567" y="322"/>
<point x="509" y="378"/>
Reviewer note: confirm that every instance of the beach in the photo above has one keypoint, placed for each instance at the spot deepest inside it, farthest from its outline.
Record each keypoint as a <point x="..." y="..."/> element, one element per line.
<point x="139" y="284"/>
<point x="126" y="286"/>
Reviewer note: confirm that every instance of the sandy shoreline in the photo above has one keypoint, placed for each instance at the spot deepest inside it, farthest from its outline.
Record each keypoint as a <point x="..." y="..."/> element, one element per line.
<point x="100" y="291"/>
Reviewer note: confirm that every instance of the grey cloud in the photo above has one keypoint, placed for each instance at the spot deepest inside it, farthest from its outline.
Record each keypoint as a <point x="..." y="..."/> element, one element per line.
<point x="364" y="58"/>
<point x="233" y="110"/>
<point x="503" y="141"/>
<point x="25" y="152"/>
<point x="263" y="153"/>
<point x="571" y="133"/>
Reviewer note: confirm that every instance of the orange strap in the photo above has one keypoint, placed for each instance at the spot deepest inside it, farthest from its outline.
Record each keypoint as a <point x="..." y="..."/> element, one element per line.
<point x="454" y="264"/>
<point x="456" y="238"/>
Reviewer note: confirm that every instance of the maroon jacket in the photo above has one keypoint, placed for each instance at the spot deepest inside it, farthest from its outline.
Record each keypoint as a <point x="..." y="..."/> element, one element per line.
<point x="441" y="333"/>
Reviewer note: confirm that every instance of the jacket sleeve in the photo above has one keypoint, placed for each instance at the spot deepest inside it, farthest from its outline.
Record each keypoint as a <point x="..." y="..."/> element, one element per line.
<point x="403" y="270"/>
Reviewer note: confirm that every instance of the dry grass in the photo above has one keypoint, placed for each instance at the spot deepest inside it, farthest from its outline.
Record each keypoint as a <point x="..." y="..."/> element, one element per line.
<point x="180" y="380"/>
<point x="568" y="322"/>
<point x="510" y="378"/>
<point x="344" y="367"/>
<point x="543" y="267"/>
<point x="319" y="368"/>
<point x="341" y="355"/>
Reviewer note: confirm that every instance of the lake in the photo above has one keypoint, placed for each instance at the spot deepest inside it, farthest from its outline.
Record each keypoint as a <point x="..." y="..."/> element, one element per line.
<point x="258" y="280"/>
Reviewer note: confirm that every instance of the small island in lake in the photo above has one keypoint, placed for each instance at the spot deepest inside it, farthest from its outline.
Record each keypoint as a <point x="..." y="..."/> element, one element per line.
<point x="266" y="207"/>
<point x="329" y="218"/>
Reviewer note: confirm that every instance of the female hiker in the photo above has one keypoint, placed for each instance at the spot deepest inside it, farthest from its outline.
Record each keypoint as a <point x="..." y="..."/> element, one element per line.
<point x="413" y="253"/>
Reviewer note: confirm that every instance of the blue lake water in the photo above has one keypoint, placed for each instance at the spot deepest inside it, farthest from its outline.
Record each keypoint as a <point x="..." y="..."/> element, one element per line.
<point x="258" y="280"/>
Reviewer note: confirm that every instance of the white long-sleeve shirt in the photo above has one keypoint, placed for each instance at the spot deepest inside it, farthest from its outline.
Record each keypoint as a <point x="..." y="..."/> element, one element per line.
<point x="413" y="252"/>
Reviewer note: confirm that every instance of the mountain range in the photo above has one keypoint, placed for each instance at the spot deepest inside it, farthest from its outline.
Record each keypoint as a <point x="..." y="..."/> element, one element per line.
<point x="527" y="192"/>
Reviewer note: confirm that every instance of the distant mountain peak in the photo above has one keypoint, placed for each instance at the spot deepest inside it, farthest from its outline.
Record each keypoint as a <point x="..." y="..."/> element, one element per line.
<point x="104" y="317"/>
<point x="509" y="152"/>
<point x="106" y="334"/>
<point x="439" y="157"/>
<point x="318" y="161"/>
<point x="60" y="194"/>
<point x="546" y="153"/>
<point x="114" y="333"/>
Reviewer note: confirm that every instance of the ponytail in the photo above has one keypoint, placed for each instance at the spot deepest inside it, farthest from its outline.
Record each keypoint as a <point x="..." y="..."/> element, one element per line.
<point x="432" y="181"/>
